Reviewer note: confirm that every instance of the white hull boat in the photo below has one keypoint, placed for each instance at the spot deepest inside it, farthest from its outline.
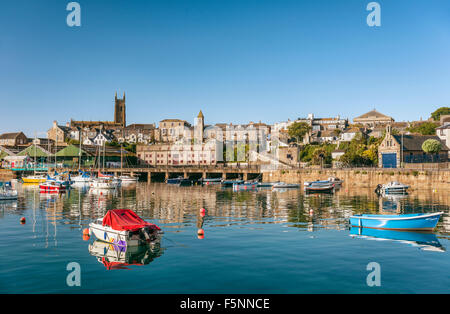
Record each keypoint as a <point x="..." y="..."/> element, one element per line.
<point x="336" y="181"/>
<point x="392" y="188"/>
<point x="81" y="179"/>
<point x="319" y="186"/>
<point x="123" y="227"/>
<point x="282" y="185"/>
<point x="7" y="193"/>
<point x="128" y="179"/>
<point x="103" y="184"/>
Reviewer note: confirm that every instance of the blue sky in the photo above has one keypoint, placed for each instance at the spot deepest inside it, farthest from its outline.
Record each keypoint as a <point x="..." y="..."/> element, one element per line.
<point x="237" y="61"/>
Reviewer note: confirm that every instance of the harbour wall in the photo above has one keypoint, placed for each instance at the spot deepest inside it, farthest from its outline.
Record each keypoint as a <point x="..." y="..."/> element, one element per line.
<point x="366" y="178"/>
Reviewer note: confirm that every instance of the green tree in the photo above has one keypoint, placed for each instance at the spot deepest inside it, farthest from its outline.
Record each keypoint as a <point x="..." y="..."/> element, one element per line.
<point x="436" y="115"/>
<point x="426" y="128"/>
<point x="298" y="130"/>
<point x="431" y="146"/>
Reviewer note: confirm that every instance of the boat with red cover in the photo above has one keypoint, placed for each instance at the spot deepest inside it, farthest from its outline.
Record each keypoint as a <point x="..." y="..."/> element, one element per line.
<point x="52" y="187"/>
<point x="125" y="228"/>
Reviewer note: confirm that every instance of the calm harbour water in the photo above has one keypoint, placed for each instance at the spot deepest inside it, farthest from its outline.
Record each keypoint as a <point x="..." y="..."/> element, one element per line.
<point x="254" y="242"/>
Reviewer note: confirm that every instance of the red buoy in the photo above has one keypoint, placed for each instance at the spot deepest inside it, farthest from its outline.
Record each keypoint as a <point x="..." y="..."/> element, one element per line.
<point x="22" y="220"/>
<point x="202" y="211"/>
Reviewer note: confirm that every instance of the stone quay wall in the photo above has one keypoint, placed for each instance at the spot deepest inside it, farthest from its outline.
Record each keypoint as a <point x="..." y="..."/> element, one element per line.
<point x="366" y="177"/>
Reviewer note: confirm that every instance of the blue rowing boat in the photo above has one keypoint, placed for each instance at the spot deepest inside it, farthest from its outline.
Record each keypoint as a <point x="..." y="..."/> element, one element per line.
<point x="425" y="222"/>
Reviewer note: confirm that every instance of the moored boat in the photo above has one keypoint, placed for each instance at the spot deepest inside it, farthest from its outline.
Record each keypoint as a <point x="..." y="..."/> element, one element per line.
<point x="185" y="182"/>
<point x="7" y="192"/>
<point x="336" y="181"/>
<point x="393" y="187"/>
<point x="230" y="183"/>
<point x="59" y="178"/>
<point x="176" y="180"/>
<point x="52" y="187"/>
<point x="124" y="227"/>
<point x="83" y="177"/>
<point x="283" y="185"/>
<point x="126" y="179"/>
<point x="103" y="183"/>
<point x="36" y="178"/>
<point x="245" y="186"/>
<point x="423" y="222"/>
<point x="318" y="186"/>
<point x="266" y="184"/>
<point x="211" y="181"/>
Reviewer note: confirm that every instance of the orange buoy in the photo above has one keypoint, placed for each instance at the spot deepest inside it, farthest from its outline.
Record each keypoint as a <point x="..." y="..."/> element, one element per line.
<point x="201" y="236"/>
<point x="86" y="231"/>
<point x="86" y="237"/>
<point x="200" y="231"/>
<point x="22" y="220"/>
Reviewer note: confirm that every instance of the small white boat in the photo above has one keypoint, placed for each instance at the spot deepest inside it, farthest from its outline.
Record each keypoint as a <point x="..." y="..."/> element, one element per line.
<point x="58" y="178"/>
<point x="7" y="192"/>
<point x="211" y="181"/>
<point x="336" y="181"/>
<point x="123" y="227"/>
<point x="51" y="186"/>
<point x="83" y="177"/>
<point x="103" y="183"/>
<point x="319" y="186"/>
<point x="393" y="187"/>
<point x="128" y="179"/>
<point x="282" y="185"/>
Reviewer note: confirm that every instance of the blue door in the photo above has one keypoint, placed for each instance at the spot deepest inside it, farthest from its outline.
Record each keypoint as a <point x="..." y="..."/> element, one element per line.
<point x="389" y="160"/>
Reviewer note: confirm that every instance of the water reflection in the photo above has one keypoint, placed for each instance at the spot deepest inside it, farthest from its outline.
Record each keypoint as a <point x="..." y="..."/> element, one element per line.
<point x="120" y="257"/>
<point x="175" y="208"/>
<point x="422" y="240"/>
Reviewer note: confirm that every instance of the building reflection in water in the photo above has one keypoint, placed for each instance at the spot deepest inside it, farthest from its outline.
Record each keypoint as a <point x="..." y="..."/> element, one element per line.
<point x="177" y="207"/>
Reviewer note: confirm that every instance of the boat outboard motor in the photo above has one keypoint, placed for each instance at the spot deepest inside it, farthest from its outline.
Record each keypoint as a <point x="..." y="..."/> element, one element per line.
<point x="146" y="235"/>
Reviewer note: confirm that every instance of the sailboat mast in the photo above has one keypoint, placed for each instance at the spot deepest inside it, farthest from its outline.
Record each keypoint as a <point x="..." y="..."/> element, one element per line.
<point x="79" y="152"/>
<point x="121" y="157"/>
<point x="34" y="153"/>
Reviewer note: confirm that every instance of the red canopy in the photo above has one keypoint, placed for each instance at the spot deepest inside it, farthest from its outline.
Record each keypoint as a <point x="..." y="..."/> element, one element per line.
<point x="125" y="219"/>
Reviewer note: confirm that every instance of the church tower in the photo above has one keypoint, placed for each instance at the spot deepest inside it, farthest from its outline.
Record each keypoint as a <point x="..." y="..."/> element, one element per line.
<point x="198" y="128"/>
<point x="120" y="111"/>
